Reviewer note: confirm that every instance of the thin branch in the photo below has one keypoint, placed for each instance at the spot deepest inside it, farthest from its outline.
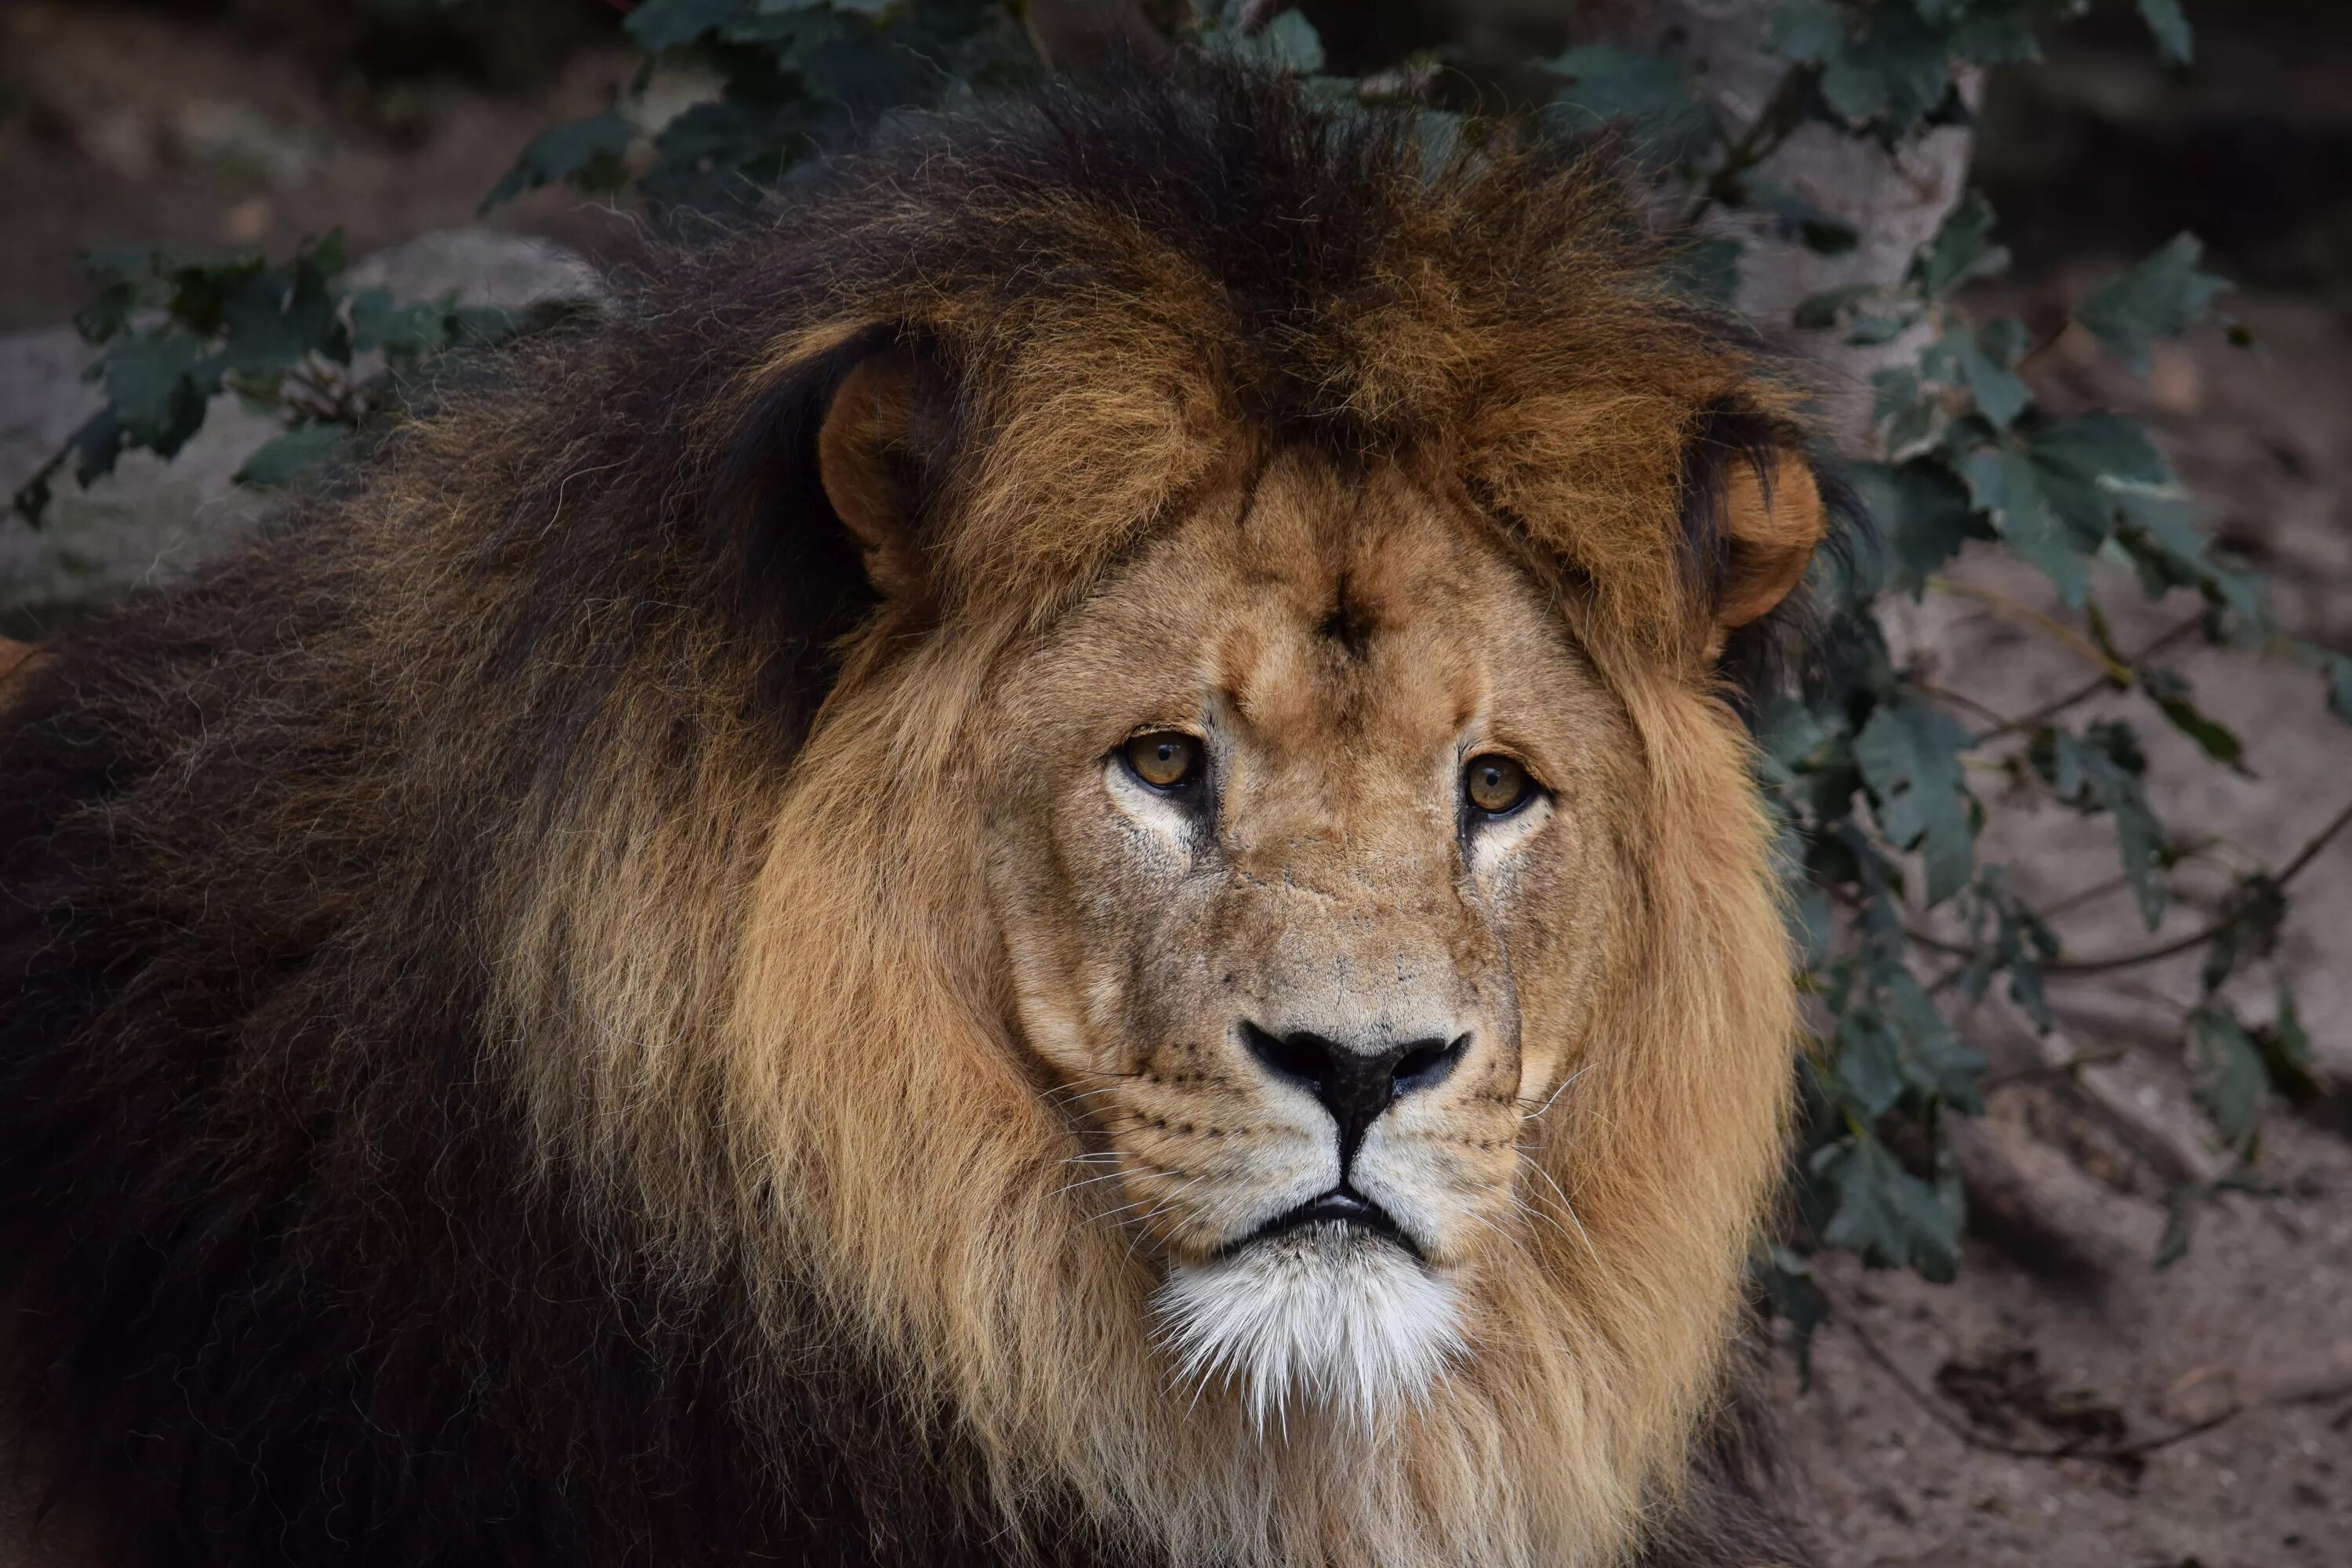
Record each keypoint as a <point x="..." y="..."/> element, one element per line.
<point x="2089" y="689"/>
<point x="1771" y="126"/>
<point x="2118" y="674"/>
<point x="2079" y="1448"/>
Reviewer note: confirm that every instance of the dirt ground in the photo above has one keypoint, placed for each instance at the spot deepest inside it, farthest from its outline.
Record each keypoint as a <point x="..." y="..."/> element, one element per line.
<point x="1922" y="1438"/>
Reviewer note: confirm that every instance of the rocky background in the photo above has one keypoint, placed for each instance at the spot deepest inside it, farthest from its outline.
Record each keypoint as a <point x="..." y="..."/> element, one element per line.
<point x="1933" y="1422"/>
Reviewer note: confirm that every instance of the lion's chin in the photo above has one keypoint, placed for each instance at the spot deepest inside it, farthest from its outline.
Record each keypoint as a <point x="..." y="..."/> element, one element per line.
<point x="1329" y="1314"/>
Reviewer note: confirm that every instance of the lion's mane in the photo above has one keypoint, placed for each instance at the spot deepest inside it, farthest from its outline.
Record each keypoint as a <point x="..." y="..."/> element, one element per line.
<point x="496" y="1068"/>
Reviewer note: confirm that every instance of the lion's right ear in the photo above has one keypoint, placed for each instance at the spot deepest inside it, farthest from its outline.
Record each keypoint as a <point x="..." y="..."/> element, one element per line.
<point x="872" y="465"/>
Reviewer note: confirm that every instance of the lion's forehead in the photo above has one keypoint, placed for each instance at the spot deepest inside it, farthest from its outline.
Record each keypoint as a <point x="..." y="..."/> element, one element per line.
<point x="1353" y="630"/>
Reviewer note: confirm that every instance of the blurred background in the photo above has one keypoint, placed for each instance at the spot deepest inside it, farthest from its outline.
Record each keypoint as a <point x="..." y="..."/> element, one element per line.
<point x="2066" y="1399"/>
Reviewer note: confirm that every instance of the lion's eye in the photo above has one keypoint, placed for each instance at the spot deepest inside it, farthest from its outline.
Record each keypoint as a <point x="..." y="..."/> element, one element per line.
<point x="1164" y="759"/>
<point x="1496" y="785"/>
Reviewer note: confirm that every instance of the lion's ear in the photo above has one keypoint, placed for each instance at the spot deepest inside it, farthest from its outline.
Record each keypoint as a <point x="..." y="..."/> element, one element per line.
<point x="1774" y="520"/>
<point x="873" y="466"/>
<point x="869" y="461"/>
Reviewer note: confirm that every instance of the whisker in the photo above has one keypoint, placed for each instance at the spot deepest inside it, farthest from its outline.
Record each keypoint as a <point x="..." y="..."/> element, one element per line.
<point x="1555" y="1093"/>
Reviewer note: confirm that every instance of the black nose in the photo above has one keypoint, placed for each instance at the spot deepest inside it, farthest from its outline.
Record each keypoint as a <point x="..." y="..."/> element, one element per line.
<point x="1355" y="1083"/>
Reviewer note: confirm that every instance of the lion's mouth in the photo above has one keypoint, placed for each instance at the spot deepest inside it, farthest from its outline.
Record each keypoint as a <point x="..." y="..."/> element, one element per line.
<point x="1343" y="1206"/>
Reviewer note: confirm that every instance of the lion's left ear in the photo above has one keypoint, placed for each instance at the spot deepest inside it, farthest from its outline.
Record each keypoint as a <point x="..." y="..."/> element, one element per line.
<point x="1772" y="520"/>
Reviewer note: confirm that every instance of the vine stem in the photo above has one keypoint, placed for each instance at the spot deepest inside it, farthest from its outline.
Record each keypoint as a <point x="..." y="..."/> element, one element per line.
<point x="2118" y="674"/>
<point x="1752" y="146"/>
<point x="2089" y="689"/>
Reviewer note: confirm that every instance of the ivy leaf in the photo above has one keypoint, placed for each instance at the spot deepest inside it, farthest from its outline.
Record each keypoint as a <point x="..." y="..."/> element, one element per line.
<point x="2162" y="297"/>
<point x="661" y="25"/>
<point x="1653" y="95"/>
<point x="1979" y="360"/>
<point x="2101" y="771"/>
<point x="1892" y="76"/>
<point x="2230" y="1076"/>
<point x="2004" y="485"/>
<point x="2170" y="691"/>
<point x="2170" y="27"/>
<point x="1962" y="249"/>
<point x="1807" y="31"/>
<point x="585" y="152"/>
<point x="1922" y="512"/>
<point x="1867" y="1067"/>
<point x="1885" y="1212"/>
<point x="156" y="385"/>
<point x="287" y="457"/>
<point x="1909" y="754"/>
<point x="2285" y="1046"/>
<point x="1932" y="1060"/>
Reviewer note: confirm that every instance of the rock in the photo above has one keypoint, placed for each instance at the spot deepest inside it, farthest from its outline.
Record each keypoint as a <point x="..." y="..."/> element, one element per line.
<point x="152" y="518"/>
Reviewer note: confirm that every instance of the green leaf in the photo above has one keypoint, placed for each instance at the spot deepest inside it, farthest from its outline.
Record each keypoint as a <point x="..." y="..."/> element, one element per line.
<point x="1807" y="31"/>
<point x="287" y="457"/>
<point x="1653" y="95"/>
<point x="1962" y="249"/>
<point x="1922" y="512"/>
<point x="1885" y="1214"/>
<point x="1902" y="414"/>
<point x="2096" y="771"/>
<point x="1979" y="360"/>
<point x="1932" y="1060"/>
<point x="2006" y="486"/>
<point x="1892" y="76"/>
<point x="660" y="25"/>
<point x="156" y="385"/>
<point x="1909" y="754"/>
<point x="2162" y="297"/>
<point x="585" y="152"/>
<point x="2230" y="1076"/>
<point x="2170" y="26"/>
<point x="2170" y="691"/>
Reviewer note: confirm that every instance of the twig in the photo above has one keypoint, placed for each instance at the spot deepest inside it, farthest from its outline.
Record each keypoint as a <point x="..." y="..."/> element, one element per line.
<point x="1758" y="142"/>
<point x="2089" y="689"/>
<point x="2117" y="674"/>
<point x="2079" y="1448"/>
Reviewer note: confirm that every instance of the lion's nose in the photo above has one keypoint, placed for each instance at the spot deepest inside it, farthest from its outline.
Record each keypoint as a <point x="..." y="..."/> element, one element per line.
<point x="1354" y="1082"/>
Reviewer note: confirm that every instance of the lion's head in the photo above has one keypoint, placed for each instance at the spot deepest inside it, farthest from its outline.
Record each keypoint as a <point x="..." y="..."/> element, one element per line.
<point x="1266" y="994"/>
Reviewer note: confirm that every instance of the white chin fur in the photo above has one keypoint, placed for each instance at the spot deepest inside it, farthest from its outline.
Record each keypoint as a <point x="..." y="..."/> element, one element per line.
<point x="1342" y="1319"/>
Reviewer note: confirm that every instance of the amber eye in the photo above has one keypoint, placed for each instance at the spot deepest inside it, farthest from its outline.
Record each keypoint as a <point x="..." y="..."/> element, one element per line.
<point x="1164" y="759"/>
<point x="1496" y="784"/>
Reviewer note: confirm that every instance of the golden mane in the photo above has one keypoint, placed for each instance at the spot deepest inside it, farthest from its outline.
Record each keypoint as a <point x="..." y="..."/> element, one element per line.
<point x="575" y="767"/>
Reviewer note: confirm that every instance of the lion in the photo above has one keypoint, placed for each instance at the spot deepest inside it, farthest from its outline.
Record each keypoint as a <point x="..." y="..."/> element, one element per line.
<point x="1050" y="859"/>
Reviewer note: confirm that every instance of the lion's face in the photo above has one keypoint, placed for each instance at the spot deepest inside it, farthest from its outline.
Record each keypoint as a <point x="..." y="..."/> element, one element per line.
<point x="1305" y="857"/>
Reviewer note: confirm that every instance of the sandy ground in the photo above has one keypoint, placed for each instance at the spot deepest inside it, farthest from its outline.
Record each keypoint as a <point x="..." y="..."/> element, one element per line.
<point x="2232" y="1369"/>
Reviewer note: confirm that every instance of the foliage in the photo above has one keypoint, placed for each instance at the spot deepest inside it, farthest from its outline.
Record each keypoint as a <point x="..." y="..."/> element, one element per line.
<point x="285" y="338"/>
<point x="1871" y="767"/>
